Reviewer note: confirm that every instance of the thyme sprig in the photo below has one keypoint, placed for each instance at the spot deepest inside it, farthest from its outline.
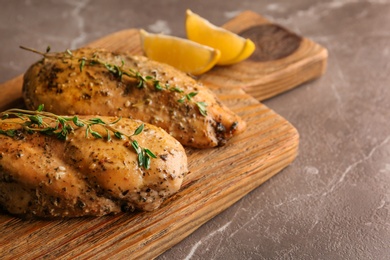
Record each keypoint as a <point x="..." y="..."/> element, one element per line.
<point x="62" y="126"/>
<point x="119" y="72"/>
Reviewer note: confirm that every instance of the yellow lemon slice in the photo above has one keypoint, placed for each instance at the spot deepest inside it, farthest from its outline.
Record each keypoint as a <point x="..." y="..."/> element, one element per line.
<point x="233" y="47"/>
<point x="183" y="54"/>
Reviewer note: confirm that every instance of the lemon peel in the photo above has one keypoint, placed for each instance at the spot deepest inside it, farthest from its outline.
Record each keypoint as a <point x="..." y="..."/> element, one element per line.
<point x="233" y="47"/>
<point x="183" y="54"/>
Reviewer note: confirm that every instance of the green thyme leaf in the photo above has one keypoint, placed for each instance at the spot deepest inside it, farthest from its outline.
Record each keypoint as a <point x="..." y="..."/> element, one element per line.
<point x="118" y="135"/>
<point x="146" y="162"/>
<point x="202" y="108"/>
<point x="62" y="122"/>
<point x="82" y="64"/>
<point x="10" y="133"/>
<point x="96" y="134"/>
<point x="97" y="121"/>
<point x="139" y="129"/>
<point x="176" y="89"/>
<point x="40" y="108"/>
<point x="36" y="120"/>
<point x="188" y="96"/>
<point x="140" y="159"/>
<point x="49" y="130"/>
<point x="191" y="95"/>
<point x="157" y="85"/>
<point x="116" y="121"/>
<point x="62" y="135"/>
<point x="150" y="153"/>
<point x="77" y="122"/>
<point x="135" y="146"/>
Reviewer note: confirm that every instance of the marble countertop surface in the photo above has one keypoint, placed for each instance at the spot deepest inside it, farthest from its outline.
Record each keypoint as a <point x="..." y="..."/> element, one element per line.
<point x="333" y="201"/>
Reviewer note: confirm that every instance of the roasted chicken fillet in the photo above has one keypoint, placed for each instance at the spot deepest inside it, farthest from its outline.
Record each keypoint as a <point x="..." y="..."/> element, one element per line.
<point x="97" y="82"/>
<point x="43" y="176"/>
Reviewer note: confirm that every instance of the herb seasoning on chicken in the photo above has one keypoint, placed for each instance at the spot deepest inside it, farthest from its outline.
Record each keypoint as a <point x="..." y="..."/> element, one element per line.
<point x="98" y="82"/>
<point x="89" y="172"/>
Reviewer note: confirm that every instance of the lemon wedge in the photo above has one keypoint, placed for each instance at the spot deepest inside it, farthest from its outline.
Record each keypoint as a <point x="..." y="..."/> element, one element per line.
<point x="183" y="54"/>
<point x="233" y="47"/>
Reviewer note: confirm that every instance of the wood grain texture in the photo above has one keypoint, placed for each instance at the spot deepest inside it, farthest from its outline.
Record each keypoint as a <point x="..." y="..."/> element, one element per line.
<point x="218" y="178"/>
<point x="264" y="77"/>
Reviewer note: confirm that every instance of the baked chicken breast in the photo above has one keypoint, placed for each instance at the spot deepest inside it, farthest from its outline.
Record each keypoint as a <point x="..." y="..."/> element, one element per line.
<point x="98" y="82"/>
<point x="42" y="175"/>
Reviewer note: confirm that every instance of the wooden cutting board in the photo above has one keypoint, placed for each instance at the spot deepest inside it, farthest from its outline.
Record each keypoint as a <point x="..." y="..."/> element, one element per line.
<point x="218" y="177"/>
<point x="282" y="59"/>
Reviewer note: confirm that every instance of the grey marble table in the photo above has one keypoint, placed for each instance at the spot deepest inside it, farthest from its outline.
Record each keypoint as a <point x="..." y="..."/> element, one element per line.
<point x="333" y="201"/>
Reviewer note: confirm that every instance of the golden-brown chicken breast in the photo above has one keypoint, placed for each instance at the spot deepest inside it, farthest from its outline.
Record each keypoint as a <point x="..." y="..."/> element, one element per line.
<point x="97" y="82"/>
<point x="42" y="175"/>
